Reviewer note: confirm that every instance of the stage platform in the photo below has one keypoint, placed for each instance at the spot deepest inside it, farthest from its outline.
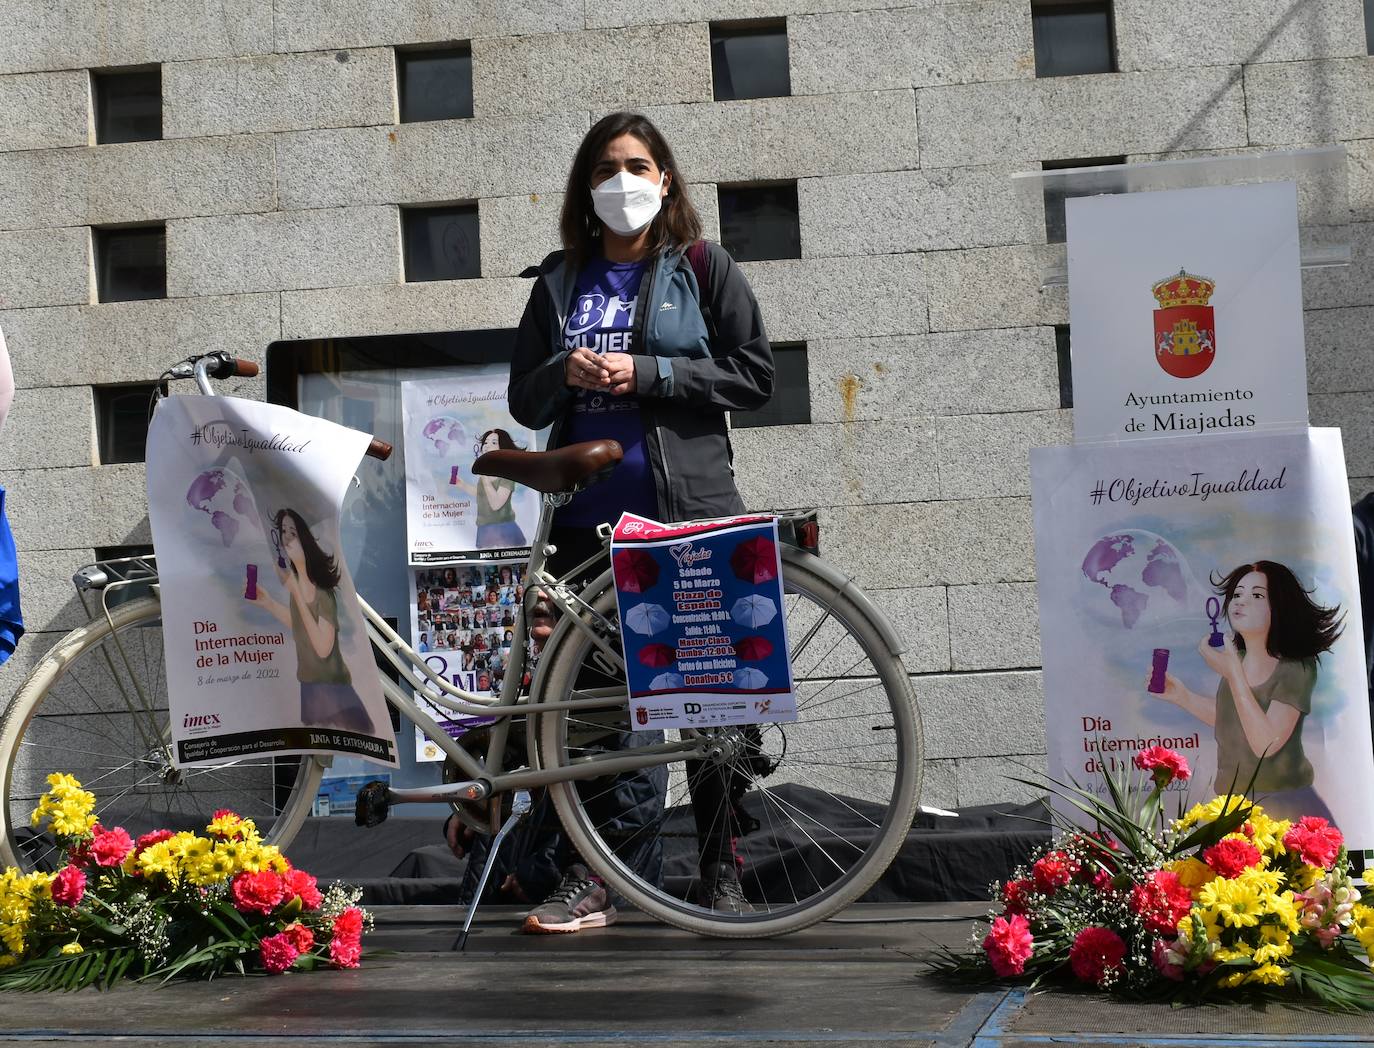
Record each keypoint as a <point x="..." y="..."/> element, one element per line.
<point x="853" y="981"/>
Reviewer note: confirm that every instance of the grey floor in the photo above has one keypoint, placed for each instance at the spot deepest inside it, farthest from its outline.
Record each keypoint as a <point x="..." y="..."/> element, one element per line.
<point x="854" y="981"/>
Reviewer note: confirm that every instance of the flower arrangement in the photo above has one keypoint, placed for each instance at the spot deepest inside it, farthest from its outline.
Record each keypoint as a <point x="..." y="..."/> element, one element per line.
<point x="1220" y="900"/>
<point x="164" y="905"/>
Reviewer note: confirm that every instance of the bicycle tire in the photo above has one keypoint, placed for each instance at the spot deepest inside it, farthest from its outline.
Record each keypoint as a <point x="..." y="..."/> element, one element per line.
<point x="884" y="816"/>
<point x="66" y="717"/>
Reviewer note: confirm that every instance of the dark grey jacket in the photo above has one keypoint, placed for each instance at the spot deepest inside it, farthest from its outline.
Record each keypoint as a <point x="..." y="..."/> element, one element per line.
<point x="687" y="380"/>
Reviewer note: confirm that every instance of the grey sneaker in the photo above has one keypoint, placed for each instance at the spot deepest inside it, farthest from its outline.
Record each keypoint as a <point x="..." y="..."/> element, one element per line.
<point x="721" y="890"/>
<point x="578" y="902"/>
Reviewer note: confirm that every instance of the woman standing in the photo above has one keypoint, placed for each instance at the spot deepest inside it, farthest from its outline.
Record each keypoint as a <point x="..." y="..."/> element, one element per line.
<point x="639" y="332"/>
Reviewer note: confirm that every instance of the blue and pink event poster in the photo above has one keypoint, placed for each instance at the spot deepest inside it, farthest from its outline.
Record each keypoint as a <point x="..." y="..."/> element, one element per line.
<point x="702" y="622"/>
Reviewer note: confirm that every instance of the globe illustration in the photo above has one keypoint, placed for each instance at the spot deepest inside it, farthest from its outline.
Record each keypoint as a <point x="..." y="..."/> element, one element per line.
<point x="225" y="499"/>
<point x="1134" y="578"/>
<point x="443" y="436"/>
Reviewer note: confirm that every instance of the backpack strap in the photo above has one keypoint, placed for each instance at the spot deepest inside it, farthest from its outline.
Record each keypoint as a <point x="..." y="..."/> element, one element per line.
<point x="700" y="262"/>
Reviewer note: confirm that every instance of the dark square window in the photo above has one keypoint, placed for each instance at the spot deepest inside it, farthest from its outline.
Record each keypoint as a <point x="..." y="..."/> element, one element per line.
<point x="128" y="105"/>
<point x="1073" y="38"/>
<point x="435" y="84"/>
<point x="758" y="222"/>
<point x="441" y="243"/>
<point x="131" y="263"/>
<point x="791" y="401"/>
<point x="1369" y="26"/>
<point x="121" y="421"/>
<point x="749" y="60"/>
<point x="1065" y="361"/>
<point x="1055" y="192"/>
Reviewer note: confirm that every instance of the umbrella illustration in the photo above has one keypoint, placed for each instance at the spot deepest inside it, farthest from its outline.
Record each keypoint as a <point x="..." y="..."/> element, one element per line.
<point x="755" y="560"/>
<point x="656" y="656"/>
<point x="753" y="611"/>
<point x="647" y="619"/>
<point x="753" y="648"/>
<point x="750" y="679"/>
<point x="666" y="681"/>
<point x="635" y="571"/>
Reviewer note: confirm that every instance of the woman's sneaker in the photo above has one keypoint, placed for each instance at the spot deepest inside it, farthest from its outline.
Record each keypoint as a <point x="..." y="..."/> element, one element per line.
<point x="720" y="889"/>
<point x="578" y="902"/>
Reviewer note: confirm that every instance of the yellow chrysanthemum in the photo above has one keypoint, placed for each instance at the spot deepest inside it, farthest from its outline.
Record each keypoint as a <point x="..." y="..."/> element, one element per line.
<point x="1270" y="952"/>
<point x="1266" y="882"/>
<point x="1210" y="811"/>
<point x="1268" y="833"/>
<point x="72" y="947"/>
<point x="1230" y="982"/>
<point x="1235" y="903"/>
<point x="1268" y="975"/>
<point x="8" y="960"/>
<point x="1285" y="908"/>
<point x="66" y="807"/>
<point x="1241" y="951"/>
<point x="209" y="869"/>
<point x="160" y="859"/>
<point x="1192" y="873"/>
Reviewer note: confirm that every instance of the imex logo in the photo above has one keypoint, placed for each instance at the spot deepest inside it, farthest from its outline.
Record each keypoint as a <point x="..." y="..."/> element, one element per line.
<point x="201" y="720"/>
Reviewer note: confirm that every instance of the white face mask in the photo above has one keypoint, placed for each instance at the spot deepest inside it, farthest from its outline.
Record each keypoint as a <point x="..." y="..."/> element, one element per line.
<point x="626" y="202"/>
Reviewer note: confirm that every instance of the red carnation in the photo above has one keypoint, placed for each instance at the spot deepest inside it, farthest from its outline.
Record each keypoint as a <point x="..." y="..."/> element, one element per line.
<point x="110" y="847"/>
<point x="68" y="886"/>
<point x="1015" y="895"/>
<point x="302" y="938"/>
<point x="278" y="952"/>
<point x="257" y="892"/>
<point x="1096" y="954"/>
<point x="1009" y="945"/>
<point x="298" y="882"/>
<point x="1316" y="841"/>
<point x="1053" y="871"/>
<point x="349" y="923"/>
<point x="1162" y="901"/>
<point x="1165" y="764"/>
<point x="149" y="839"/>
<point x="1230" y="857"/>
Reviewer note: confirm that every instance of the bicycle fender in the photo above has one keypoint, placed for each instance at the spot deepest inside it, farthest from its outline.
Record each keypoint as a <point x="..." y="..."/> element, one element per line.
<point x="845" y="584"/>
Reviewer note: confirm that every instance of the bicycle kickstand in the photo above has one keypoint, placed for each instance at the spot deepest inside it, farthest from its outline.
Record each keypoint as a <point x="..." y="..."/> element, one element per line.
<point x="520" y="807"/>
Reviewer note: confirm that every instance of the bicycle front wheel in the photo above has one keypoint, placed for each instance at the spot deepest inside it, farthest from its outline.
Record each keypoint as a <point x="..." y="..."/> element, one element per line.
<point x="96" y="707"/>
<point x="818" y="808"/>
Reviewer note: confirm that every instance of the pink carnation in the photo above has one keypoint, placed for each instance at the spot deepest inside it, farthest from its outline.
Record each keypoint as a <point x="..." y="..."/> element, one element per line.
<point x="298" y="882"/>
<point x="1096" y="955"/>
<point x="302" y="938"/>
<point x="1164" y="763"/>
<point x="68" y="886"/>
<point x="278" y="952"/>
<point x="149" y="839"/>
<point x="1231" y="857"/>
<point x="1162" y="901"/>
<point x="349" y="923"/>
<point x="1009" y="945"/>
<point x="1053" y="871"/>
<point x="110" y="847"/>
<point x="345" y="952"/>
<point x="256" y="892"/>
<point x="1315" y="840"/>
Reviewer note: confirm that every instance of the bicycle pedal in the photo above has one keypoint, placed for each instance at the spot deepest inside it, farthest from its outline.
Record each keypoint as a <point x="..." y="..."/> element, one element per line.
<point x="372" y="806"/>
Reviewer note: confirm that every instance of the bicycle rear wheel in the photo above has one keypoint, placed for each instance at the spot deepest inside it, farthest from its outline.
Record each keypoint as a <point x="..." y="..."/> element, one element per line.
<point x="826" y="801"/>
<point x="96" y="707"/>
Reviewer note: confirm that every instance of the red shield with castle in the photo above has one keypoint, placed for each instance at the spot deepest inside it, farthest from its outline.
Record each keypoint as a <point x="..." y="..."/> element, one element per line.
<point x="1185" y="327"/>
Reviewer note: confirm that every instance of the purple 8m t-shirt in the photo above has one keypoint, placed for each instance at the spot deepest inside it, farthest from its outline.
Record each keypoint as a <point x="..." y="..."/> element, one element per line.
<point x="602" y="320"/>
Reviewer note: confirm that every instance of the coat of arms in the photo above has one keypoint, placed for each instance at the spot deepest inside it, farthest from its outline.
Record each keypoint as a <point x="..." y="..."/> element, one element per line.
<point x="1185" y="329"/>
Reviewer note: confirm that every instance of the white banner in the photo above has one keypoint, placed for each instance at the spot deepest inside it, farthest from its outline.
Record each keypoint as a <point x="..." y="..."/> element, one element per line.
<point x="1202" y="595"/>
<point x="452" y="515"/>
<point x="1185" y="312"/>
<point x="265" y="643"/>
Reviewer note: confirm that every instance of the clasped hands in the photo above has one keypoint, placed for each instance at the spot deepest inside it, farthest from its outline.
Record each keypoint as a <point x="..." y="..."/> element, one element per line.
<point x="612" y="373"/>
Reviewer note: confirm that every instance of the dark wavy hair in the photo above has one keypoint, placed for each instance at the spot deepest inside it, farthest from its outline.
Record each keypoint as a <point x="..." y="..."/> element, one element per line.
<point x="321" y="569"/>
<point x="1299" y="627"/>
<point x="504" y="440"/>
<point x="677" y="223"/>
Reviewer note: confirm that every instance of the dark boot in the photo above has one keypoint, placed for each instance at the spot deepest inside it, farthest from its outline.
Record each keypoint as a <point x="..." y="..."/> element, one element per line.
<point x="720" y="889"/>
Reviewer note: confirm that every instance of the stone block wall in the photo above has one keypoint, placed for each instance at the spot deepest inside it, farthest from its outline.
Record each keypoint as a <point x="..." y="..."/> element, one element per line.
<point x="931" y="343"/>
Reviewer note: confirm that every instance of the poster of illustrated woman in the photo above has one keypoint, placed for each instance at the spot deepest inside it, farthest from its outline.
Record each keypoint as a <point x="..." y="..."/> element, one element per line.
<point x="1201" y="594"/>
<point x="265" y="643"/>
<point x="454" y="516"/>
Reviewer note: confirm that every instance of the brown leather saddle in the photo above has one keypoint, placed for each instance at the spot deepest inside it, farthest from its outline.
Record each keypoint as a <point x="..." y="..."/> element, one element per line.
<point x="570" y="468"/>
